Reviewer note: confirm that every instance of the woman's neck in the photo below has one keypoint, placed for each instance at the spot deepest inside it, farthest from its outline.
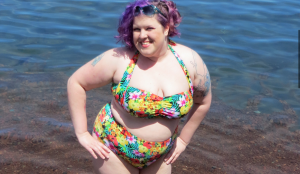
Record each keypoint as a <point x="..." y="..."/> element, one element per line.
<point x="161" y="54"/>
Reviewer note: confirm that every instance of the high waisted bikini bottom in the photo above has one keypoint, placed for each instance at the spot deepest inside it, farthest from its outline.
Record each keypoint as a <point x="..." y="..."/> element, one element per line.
<point x="136" y="151"/>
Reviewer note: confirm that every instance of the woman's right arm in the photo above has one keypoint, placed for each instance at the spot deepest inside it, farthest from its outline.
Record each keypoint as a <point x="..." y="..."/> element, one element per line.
<point x="96" y="73"/>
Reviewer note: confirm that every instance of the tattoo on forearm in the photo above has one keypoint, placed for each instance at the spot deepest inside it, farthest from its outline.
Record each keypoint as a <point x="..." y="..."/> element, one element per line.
<point x="97" y="59"/>
<point x="203" y="87"/>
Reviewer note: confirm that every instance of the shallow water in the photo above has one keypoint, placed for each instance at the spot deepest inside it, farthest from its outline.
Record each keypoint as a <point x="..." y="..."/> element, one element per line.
<point x="250" y="48"/>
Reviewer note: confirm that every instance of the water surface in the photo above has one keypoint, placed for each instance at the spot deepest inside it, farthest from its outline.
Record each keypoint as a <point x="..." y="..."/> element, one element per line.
<point x="249" y="47"/>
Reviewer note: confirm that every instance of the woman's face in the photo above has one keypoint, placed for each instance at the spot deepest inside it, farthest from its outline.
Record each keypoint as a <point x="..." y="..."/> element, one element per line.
<point x="149" y="36"/>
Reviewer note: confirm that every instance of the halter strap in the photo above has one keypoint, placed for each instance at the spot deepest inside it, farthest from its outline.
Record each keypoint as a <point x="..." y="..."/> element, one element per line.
<point x="128" y="73"/>
<point x="181" y="63"/>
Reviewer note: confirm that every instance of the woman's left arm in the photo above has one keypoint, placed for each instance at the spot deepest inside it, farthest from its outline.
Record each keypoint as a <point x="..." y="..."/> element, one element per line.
<point x="202" y="99"/>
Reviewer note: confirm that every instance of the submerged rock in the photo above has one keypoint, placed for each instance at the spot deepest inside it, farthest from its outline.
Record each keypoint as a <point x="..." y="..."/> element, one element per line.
<point x="279" y="119"/>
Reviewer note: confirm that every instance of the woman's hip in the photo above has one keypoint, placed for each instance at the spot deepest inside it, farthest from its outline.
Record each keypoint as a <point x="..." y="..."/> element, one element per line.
<point x="140" y="153"/>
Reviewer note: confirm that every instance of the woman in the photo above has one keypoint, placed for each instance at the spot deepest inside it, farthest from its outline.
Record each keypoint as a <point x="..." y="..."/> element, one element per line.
<point x="152" y="88"/>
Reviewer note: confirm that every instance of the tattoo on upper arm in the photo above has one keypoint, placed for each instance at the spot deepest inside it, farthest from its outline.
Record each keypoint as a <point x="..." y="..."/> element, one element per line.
<point x="203" y="87"/>
<point x="97" y="59"/>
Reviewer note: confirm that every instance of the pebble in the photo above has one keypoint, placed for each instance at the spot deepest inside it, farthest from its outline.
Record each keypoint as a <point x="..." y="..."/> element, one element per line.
<point x="213" y="167"/>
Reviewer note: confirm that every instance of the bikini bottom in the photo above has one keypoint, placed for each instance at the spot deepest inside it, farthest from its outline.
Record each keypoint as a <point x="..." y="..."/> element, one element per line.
<point x="136" y="151"/>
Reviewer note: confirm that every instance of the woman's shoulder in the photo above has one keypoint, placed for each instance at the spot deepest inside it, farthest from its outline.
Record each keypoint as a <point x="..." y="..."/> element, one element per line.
<point x="113" y="59"/>
<point x="119" y="53"/>
<point x="190" y="57"/>
<point x="185" y="53"/>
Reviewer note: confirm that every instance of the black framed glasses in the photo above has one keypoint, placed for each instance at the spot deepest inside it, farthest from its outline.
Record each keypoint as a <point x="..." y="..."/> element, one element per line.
<point x="148" y="10"/>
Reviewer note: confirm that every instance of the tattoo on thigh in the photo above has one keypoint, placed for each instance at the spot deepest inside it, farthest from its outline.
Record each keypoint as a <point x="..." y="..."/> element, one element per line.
<point x="97" y="59"/>
<point x="203" y="87"/>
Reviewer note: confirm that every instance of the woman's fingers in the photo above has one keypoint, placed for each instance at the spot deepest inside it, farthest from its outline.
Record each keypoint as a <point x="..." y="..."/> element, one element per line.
<point x="169" y="154"/>
<point x="96" y="150"/>
<point x="174" y="159"/>
<point x="101" y="154"/>
<point x="170" y="159"/>
<point x="105" y="148"/>
<point x="174" y="153"/>
<point x="92" y="152"/>
<point x="102" y="150"/>
<point x="94" y="146"/>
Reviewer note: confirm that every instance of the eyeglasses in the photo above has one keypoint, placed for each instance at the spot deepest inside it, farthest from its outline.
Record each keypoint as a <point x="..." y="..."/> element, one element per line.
<point x="148" y="10"/>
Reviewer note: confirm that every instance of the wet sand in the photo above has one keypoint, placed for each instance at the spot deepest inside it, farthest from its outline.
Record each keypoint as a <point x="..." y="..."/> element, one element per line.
<point x="37" y="136"/>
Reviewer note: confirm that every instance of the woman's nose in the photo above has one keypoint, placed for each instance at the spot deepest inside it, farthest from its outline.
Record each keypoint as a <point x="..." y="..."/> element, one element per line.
<point x="143" y="34"/>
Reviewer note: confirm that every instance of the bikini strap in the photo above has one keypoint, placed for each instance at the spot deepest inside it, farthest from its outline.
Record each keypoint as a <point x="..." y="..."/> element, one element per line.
<point x="127" y="74"/>
<point x="181" y="63"/>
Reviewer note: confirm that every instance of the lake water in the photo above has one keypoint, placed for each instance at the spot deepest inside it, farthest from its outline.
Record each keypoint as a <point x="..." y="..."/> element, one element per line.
<point x="250" y="48"/>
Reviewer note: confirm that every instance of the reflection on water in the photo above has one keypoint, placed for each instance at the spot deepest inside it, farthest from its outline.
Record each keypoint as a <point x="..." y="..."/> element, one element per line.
<point x="249" y="47"/>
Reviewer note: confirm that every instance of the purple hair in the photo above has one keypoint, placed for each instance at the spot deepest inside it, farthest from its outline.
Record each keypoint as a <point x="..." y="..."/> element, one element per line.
<point x="168" y="8"/>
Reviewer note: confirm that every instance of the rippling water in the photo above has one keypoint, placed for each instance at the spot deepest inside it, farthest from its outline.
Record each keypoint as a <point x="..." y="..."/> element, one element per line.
<point x="250" y="48"/>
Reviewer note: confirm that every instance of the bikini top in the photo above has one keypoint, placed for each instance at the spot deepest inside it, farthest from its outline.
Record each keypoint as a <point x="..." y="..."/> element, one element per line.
<point x="141" y="103"/>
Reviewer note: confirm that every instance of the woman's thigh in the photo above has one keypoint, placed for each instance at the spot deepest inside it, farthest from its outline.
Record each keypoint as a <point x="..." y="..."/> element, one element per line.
<point x="113" y="165"/>
<point x="158" y="167"/>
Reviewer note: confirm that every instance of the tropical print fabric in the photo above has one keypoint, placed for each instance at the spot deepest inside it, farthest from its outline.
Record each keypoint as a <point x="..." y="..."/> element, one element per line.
<point x="137" y="152"/>
<point x="141" y="103"/>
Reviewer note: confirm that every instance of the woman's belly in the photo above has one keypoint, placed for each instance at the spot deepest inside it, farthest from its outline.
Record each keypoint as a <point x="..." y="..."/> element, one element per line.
<point x="155" y="129"/>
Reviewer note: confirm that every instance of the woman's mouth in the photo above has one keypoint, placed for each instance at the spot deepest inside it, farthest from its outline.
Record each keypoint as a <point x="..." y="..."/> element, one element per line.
<point x="145" y="44"/>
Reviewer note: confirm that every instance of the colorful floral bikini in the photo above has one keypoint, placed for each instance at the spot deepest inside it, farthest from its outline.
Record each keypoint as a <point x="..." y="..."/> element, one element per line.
<point x="140" y="103"/>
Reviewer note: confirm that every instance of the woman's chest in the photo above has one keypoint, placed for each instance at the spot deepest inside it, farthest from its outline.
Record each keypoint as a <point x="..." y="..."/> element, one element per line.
<point x="161" y="78"/>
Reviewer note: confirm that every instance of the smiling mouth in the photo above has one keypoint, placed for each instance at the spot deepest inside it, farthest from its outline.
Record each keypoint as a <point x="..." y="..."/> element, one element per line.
<point x="145" y="44"/>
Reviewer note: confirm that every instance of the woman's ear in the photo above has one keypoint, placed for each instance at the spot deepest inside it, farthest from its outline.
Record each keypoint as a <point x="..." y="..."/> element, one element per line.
<point x="166" y="30"/>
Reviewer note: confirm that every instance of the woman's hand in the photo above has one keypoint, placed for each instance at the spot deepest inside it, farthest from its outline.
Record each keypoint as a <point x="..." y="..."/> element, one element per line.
<point x="93" y="145"/>
<point x="178" y="147"/>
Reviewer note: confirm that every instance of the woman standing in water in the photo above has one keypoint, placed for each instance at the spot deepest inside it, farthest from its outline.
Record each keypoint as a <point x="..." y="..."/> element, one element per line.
<point x="155" y="82"/>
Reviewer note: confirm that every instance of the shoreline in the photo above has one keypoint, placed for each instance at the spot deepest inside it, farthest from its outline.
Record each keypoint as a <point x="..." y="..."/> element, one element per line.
<point x="37" y="133"/>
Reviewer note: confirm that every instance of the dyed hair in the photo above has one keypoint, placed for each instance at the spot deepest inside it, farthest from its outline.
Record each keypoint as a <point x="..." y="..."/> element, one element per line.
<point x="168" y="8"/>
